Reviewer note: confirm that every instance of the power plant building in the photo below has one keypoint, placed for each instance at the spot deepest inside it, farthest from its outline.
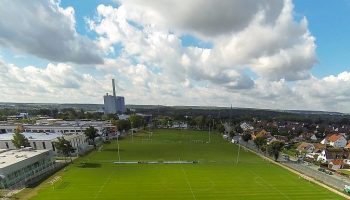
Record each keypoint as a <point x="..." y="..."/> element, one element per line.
<point x="114" y="104"/>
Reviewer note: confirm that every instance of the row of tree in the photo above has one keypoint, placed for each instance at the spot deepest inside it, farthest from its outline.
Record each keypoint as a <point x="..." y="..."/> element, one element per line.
<point x="134" y="121"/>
<point x="273" y="149"/>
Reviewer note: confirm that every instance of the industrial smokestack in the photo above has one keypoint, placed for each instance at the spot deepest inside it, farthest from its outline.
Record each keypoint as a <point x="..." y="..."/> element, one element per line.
<point x="113" y="85"/>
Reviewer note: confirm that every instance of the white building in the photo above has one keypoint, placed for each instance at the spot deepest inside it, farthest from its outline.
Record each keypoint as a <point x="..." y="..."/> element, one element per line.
<point x="330" y="154"/>
<point x="335" y="140"/>
<point x="18" y="166"/>
<point x="58" y="126"/>
<point x="43" y="141"/>
<point x="246" y="126"/>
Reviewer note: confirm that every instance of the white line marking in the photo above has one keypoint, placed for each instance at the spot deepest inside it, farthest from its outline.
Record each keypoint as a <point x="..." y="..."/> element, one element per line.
<point x="103" y="186"/>
<point x="188" y="183"/>
<point x="271" y="186"/>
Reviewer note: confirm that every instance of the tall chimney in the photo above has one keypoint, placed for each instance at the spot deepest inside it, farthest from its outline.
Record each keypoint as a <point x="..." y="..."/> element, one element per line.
<point x="113" y="84"/>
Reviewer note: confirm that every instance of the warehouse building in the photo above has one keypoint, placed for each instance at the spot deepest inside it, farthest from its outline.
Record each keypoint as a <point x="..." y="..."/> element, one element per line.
<point x="59" y="126"/>
<point x="20" y="166"/>
<point x="45" y="141"/>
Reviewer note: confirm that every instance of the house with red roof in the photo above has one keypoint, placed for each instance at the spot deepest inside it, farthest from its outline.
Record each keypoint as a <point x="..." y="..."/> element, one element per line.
<point x="336" y="164"/>
<point x="335" y="140"/>
<point x="347" y="146"/>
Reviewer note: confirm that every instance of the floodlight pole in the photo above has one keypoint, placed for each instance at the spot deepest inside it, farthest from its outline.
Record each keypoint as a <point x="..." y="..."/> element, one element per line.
<point x="118" y="148"/>
<point x="239" y="148"/>
<point x="209" y="133"/>
<point x="149" y="132"/>
<point x="132" y="135"/>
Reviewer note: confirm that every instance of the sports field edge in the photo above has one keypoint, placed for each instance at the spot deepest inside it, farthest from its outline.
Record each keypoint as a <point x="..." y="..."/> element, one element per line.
<point x="301" y="174"/>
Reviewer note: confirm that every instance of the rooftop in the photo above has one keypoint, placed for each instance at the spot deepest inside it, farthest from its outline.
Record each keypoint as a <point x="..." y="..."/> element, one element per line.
<point x="10" y="157"/>
<point x="59" y="123"/>
<point x="334" y="137"/>
<point x="32" y="136"/>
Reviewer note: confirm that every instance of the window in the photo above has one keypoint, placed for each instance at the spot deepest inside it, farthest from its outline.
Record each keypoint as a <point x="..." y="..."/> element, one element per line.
<point x="7" y="145"/>
<point x="53" y="146"/>
<point x="44" y="146"/>
<point x="34" y="144"/>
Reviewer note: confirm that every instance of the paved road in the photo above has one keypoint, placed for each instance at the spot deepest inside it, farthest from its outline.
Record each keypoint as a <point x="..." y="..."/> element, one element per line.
<point x="335" y="181"/>
<point x="331" y="180"/>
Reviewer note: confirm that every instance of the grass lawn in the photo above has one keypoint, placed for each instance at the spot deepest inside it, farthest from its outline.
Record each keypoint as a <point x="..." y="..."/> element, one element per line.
<point x="345" y="171"/>
<point x="216" y="176"/>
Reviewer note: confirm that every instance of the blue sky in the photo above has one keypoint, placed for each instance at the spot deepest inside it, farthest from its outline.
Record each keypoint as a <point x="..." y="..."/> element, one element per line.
<point x="329" y="22"/>
<point x="250" y="54"/>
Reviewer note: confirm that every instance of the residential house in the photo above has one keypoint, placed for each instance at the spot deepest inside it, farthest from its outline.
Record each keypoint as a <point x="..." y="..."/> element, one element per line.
<point x="335" y="140"/>
<point x="333" y="153"/>
<point x="246" y="126"/>
<point x="319" y="147"/>
<point x="347" y="146"/>
<point x="336" y="164"/>
<point x="305" y="147"/>
<point x="313" y="138"/>
<point x="261" y="133"/>
<point x="281" y="138"/>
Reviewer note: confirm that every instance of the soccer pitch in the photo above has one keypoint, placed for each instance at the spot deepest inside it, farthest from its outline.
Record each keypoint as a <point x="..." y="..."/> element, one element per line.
<point x="216" y="176"/>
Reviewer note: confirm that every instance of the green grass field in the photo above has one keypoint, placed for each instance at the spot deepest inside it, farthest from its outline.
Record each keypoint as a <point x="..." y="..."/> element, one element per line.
<point x="216" y="176"/>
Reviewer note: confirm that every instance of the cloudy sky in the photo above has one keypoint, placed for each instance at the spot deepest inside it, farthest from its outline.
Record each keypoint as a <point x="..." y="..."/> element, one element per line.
<point x="279" y="54"/>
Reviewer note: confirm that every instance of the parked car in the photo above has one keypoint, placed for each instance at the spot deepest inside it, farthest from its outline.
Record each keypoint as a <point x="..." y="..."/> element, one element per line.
<point x="321" y="169"/>
<point x="329" y="172"/>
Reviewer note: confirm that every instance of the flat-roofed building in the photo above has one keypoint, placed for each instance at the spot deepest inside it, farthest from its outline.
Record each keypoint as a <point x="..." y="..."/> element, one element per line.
<point x="45" y="141"/>
<point x="18" y="166"/>
<point x="59" y="126"/>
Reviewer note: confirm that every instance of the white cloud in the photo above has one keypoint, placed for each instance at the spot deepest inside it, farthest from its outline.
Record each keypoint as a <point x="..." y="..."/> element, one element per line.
<point x="54" y="83"/>
<point x="207" y="18"/>
<point x="161" y="50"/>
<point x="329" y="93"/>
<point x="268" y="42"/>
<point x="260" y="57"/>
<point x="44" y="29"/>
<point x="64" y="83"/>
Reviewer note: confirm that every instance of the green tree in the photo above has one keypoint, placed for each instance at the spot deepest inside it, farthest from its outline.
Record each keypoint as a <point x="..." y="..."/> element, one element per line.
<point x="246" y="137"/>
<point x="64" y="147"/>
<point x="19" y="140"/>
<point x="238" y="129"/>
<point x="275" y="148"/>
<point x="274" y="131"/>
<point x="260" y="141"/>
<point x="123" y="125"/>
<point x="110" y="117"/>
<point x="91" y="134"/>
<point x="221" y="128"/>
<point x="136" y="121"/>
<point x="232" y="133"/>
<point x="199" y="121"/>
